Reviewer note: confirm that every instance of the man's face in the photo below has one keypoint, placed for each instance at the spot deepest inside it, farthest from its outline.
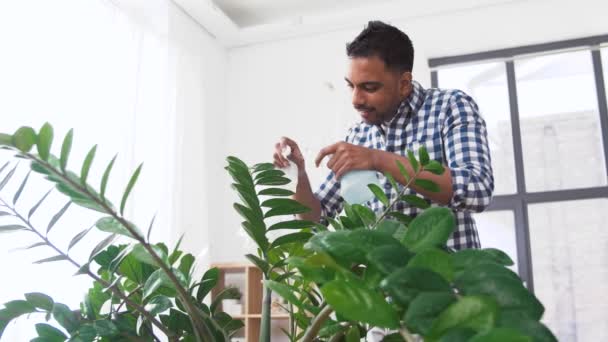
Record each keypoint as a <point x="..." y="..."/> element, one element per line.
<point x="376" y="90"/>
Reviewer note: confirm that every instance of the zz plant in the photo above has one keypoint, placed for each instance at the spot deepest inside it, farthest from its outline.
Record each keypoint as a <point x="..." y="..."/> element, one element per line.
<point x="141" y="291"/>
<point x="389" y="271"/>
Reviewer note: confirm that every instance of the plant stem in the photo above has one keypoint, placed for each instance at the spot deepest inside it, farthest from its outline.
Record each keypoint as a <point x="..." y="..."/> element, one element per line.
<point x="406" y="186"/>
<point x="406" y="334"/>
<point x="265" y="324"/>
<point x="316" y="324"/>
<point x="114" y="288"/>
<point x="200" y="329"/>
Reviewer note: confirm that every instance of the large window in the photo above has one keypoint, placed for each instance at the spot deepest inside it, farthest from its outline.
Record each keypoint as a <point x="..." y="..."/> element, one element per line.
<point x="545" y="107"/>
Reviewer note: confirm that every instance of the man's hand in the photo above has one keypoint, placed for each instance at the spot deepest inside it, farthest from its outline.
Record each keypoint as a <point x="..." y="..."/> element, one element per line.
<point x="295" y="156"/>
<point x="347" y="157"/>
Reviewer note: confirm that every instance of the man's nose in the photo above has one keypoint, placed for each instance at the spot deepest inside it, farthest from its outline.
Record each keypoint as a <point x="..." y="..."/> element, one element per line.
<point x="358" y="98"/>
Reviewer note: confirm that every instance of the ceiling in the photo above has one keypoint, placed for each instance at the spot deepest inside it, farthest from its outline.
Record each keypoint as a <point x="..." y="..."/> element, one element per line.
<point x="242" y="22"/>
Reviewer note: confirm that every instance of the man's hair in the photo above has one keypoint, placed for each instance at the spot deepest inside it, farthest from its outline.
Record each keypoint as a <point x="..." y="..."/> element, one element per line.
<point x="386" y="42"/>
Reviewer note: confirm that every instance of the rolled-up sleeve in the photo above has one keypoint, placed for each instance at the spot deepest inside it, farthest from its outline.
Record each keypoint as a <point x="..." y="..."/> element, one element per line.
<point x="329" y="196"/>
<point x="467" y="152"/>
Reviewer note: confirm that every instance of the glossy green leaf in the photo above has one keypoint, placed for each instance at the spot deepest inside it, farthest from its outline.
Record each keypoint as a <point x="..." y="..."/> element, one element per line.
<point x="427" y="185"/>
<point x="65" y="317"/>
<point x="415" y="201"/>
<point x="86" y="166"/>
<point x="185" y="264"/>
<point x="391" y="180"/>
<point x="273" y="181"/>
<point x="143" y="255"/>
<point x="353" y="334"/>
<point x="21" y="187"/>
<point x="105" y="328"/>
<point x="354" y="301"/>
<point x="290" y="294"/>
<point x="388" y="259"/>
<point x="226" y="293"/>
<point x="263" y="167"/>
<point x="293" y="224"/>
<point x="50" y="333"/>
<point x="403" y="171"/>
<point x="275" y="192"/>
<point x="500" y="335"/>
<point x="519" y="321"/>
<point x="102" y="245"/>
<point x="389" y="227"/>
<point x="435" y="167"/>
<point x="290" y="238"/>
<point x="500" y="256"/>
<point x="40" y="300"/>
<point x="8" y="177"/>
<point x="431" y="228"/>
<point x="105" y="178"/>
<point x="208" y="281"/>
<point x="24" y="139"/>
<point x="257" y="233"/>
<point x="435" y="260"/>
<point x="458" y="335"/>
<point x="269" y="173"/>
<point x="405" y="284"/>
<point x="158" y="304"/>
<point x="79" y="237"/>
<point x="150" y="228"/>
<point x="261" y="264"/>
<point x="44" y="141"/>
<point x="283" y="206"/>
<point x="413" y="162"/>
<point x="379" y="193"/>
<point x="423" y="156"/>
<point x="472" y="257"/>
<point x="66" y="147"/>
<point x="425" y="308"/>
<point x="35" y="207"/>
<point x="160" y="278"/>
<point x="482" y="271"/>
<point x="403" y="218"/>
<point x="474" y="312"/>
<point x="57" y="216"/>
<point x="368" y="217"/>
<point x="132" y="181"/>
<point x="111" y="225"/>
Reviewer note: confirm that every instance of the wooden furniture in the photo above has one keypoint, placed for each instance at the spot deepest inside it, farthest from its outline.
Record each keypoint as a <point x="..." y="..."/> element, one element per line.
<point x="248" y="278"/>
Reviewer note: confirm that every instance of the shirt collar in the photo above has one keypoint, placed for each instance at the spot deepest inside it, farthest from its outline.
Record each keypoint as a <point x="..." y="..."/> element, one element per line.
<point x="410" y="105"/>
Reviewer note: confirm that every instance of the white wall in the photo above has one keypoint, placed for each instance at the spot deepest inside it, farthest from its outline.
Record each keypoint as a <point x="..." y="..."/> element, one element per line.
<point x="280" y="88"/>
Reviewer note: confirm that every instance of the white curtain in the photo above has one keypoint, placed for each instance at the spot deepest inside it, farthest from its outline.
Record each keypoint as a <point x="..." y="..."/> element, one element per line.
<point x="113" y="71"/>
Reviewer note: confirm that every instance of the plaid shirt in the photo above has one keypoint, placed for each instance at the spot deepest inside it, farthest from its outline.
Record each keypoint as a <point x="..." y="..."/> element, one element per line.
<point x="448" y="124"/>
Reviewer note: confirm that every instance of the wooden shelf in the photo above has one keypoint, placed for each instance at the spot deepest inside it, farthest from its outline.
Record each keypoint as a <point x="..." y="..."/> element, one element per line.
<point x="252" y="295"/>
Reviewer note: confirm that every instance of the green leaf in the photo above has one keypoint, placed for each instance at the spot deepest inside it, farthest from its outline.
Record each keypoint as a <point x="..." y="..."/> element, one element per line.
<point x="263" y="167"/>
<point x="365" y="213"/>
<point x="472" y="257"/>
<point x="475" y="312"/>
<point x="403" y="218"/>
<point x="389" y="227"/>
<point x="415" y="201"/>
<point x="391" y="179"/>
<point x="208" y="282"/>
<point x="65" y="317"/>
<point x="388" y="259"/>
<point x="101" y="246"/>
<point x="394" y="337"/>
<point x="57" y="216"/>
<point x="160" y="278"/>
<point x="273" y="181"/>
<point x="423" y="155"/>
<point x="276" y="192"/>
<point x="86" y="166"/>
<point x="520" y="322"/>
<point x="435" y="167"/>
<point x="288" y="293"/>
<point x="111" y="225"/>
<point x="257" y="233"/>
<point x="435" y="260"/>
<point x="11" y="228"/>
<point x="185" y="264"/>
<point x="94" y="301"/>
<point x="412" y="159"/>
<point x="482" y="271"/>
<point x="50" y="333"/>
<point x="500" y="335"/>
<point x="379" y="193"/>
<point x="290" y="238"/>
<point x="427" y="185"/>
<point x="354" y="301"/>
<point x="158" y="304"/>
<point x="403" y="170"/>
<point x="150" y="228"/>
<point x="106" y="176"/>
<point x="40" y="300"/>
<point x="405" y="284"/>
<point x="79" y="237"/>
<point x="65" y="149"/>
<point x="105" y="328"/>
<point x="334" y="223"/>
<point x="508" y="293"/>
<point x="44" y="141"/>
<point x="293" y="224"/>
<point x="431" y="228"/>
<point x="269" y="173"/>
<point x="24" y="139"/>
<point x="35" y="207"/>
<point x="142" y="254"/>
<point x="283" y="206"/>
<point x="21" y="187"/>
<point x="353" y="334"/>
<point x="37" y="244"/>
<point x="261" y="264"/>
<point x="55" y="258"/>
<point x="424" y="309"/>
<point x="16" y="308"/>
<point x="8" y="177"/>
<point x="227" y="293"/>
<point x="458" y="335"/>
<point x="132" y="181"/>
<point x="500" y="256"/>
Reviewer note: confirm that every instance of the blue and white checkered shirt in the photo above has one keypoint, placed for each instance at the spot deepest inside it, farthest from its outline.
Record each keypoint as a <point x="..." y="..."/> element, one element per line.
<point x="449" y="125"/>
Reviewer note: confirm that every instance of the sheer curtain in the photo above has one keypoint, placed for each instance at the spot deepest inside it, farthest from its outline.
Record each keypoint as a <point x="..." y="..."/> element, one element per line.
<point x="109" y="71"/>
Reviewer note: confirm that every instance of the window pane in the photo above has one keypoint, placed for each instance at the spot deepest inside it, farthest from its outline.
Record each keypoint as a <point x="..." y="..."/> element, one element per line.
<point x="487" y="84"/>
<point x="561" y="136"/>
<point x="497" y="230"/>
<point x="569" y="243"/>
<point x="604" y="53"/>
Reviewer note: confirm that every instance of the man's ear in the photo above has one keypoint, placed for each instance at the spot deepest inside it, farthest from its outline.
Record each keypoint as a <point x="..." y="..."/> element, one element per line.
<point x="405" y="84"/>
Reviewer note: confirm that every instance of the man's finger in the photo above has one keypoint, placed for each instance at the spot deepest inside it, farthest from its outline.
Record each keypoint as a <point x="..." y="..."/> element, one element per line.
<point x="331" y="149"/>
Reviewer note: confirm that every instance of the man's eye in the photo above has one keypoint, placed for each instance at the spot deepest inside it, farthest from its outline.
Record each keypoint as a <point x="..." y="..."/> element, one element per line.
<point x="370" y="89"/>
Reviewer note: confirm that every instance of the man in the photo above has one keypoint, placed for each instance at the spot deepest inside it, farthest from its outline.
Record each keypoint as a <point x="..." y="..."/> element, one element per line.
<point x="398" y="115"/>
